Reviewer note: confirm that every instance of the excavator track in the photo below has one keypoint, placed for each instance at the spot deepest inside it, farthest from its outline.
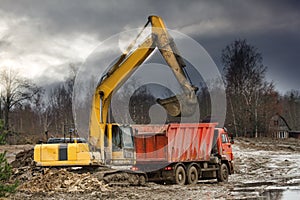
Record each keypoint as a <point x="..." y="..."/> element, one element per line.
<point x="123" y="178"/>
<point x="114" y="177"/>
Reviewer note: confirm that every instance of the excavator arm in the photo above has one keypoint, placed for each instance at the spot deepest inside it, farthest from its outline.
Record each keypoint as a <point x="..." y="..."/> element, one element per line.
<point x="183" y="104"/>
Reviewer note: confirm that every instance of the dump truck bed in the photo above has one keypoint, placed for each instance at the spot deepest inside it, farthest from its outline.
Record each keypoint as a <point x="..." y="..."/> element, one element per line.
<point x="173" y="142"/>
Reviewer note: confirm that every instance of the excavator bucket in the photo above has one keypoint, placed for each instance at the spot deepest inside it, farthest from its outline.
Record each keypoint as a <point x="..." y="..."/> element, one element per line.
<point x="179" y="105"/>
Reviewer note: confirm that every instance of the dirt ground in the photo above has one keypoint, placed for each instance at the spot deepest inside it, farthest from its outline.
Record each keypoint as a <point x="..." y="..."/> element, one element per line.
<point x="263" y="169"/>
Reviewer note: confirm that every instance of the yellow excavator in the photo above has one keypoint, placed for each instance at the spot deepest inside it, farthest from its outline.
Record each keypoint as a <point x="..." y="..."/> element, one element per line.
<point x="113" y="144"/>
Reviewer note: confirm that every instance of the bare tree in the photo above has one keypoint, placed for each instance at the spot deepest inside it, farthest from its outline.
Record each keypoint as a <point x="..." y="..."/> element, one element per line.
<point x="246" y="85"/>
<point x="291" y="108"/>
<point x="15" y="89"/>
<point x="57" y="109"/>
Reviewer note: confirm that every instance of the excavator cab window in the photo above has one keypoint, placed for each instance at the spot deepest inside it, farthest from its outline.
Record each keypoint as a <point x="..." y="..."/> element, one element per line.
<point x="116" y="138"/>
<point x="121" y="138"/>
<point x="127" y="137"/>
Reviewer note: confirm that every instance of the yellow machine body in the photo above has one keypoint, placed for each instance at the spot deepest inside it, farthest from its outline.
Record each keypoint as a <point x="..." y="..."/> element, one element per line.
<point x="64" y="154"/>
<point x="119" y="146"/>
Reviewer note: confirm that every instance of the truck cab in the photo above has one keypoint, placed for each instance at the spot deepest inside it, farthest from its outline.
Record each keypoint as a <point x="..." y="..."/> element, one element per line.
<point x="223" y="145"/>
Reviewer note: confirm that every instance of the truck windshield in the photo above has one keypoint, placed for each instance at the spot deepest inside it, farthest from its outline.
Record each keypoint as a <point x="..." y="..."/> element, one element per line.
<point x="127" y="137"/>
<point x="224" y="139"/>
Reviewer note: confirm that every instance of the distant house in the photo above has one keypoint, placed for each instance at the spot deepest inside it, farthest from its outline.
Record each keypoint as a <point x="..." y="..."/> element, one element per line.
<point x="278" y="127"/>
<point x="294" y="134"/>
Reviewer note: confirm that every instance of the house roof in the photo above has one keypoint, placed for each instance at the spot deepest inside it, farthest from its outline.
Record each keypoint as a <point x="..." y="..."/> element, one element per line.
<point x="285" y="122"/>
<point x="283" y="119"/>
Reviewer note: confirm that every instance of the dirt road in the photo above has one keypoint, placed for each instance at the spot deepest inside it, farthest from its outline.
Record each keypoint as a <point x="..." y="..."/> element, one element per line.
<point x="263" y="170"/>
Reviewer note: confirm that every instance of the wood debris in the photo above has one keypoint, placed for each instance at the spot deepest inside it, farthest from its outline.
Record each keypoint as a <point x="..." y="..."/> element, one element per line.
<point x="61" y="180"/>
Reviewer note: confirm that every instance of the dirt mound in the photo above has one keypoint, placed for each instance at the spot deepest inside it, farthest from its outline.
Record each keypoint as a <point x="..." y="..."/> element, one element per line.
<point x="23" y="159"/>
<point x="63" y="181"/>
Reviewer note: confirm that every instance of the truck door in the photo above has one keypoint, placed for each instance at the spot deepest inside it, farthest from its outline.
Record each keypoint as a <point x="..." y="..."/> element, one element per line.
<point x="226" y="147"/>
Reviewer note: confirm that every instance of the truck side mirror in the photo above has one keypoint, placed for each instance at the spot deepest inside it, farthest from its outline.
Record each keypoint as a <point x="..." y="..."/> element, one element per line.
<point x="231" y="139"/>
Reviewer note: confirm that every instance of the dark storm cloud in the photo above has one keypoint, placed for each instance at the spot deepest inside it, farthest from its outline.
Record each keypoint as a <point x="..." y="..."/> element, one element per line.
<point x="75" y="16"/>
<point x="51" y="27"/>
<point x="111" y="16"/>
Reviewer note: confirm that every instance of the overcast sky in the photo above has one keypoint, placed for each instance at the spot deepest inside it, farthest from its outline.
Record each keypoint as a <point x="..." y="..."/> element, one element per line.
<point x="42" y="37"/>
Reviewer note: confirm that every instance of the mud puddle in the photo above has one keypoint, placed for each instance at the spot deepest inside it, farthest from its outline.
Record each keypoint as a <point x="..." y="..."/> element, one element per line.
<point x="281" y="194"/>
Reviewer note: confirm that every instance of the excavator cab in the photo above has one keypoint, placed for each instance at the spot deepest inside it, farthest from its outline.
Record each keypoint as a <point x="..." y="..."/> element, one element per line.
<point x="119" y="145"/>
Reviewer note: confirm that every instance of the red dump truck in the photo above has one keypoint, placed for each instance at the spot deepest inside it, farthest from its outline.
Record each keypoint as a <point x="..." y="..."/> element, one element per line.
<point x="183" y="153"/>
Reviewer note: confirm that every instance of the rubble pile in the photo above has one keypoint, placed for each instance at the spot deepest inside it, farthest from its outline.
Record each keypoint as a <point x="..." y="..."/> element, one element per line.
<point x="35" y="179"/>
<point x="23" y="159"/>
<point x="23" y="174"/>
<point x="61" y="180"/>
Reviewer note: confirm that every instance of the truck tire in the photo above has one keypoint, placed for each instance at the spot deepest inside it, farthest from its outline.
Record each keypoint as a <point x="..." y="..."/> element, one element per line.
<point x="142" y="180"/>
<point x="192" y="175"/>
<point x="223" y="173"/>
<point x="180" y="175"/>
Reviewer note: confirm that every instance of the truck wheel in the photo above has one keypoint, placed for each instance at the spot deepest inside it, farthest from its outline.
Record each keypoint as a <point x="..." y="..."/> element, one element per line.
<point x="223" y="173"/>
<point x="192" y="175"/>
<point x="180" y="175"/>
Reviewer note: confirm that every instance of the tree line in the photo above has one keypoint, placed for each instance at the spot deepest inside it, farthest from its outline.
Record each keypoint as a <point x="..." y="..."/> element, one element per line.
<point x="27" y="109"/>
<point x="251" y="99"/>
